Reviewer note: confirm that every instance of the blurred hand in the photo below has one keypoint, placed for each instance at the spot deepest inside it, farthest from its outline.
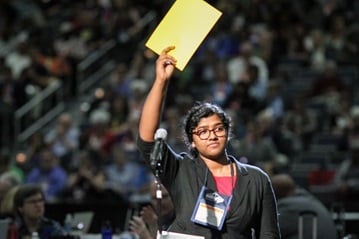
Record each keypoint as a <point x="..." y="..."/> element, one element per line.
<point x="138" y="226"/>
<point x="149" y="216"/>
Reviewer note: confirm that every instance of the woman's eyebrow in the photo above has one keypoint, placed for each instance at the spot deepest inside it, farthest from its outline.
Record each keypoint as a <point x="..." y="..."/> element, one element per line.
<point x="207" y="126"/>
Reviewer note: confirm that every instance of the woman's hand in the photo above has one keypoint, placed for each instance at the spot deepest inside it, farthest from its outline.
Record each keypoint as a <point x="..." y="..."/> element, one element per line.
<point x="165" y="64"/>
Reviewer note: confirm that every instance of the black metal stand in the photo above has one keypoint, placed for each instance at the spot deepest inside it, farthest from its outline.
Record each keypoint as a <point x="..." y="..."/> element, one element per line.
<point x="157" y="166"/>
<point x="159" y="204"/>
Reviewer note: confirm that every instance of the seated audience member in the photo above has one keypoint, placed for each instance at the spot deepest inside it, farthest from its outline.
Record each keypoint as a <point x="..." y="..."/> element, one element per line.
<point x="29" y="202"/>
<point x="220" y="88"/>
<point x="237" y="64"/>
<point x="240" y="100"/>
<point x="33" y="147"/>
<point x="274" y="101"/>
<point x="126" y="178"/>
<point x="86" y="183"/>
<point x="146" y="224"/>
<point x="256" y="146"/>
<point x="301" y="123"/>
<point x="63" y="139"/>
<point x="257" y="87"/>
<point x="49" y="174"/>
<point x="291" y="201"/>
<point x="327" y="87"/>
<point x="98" y="136"/>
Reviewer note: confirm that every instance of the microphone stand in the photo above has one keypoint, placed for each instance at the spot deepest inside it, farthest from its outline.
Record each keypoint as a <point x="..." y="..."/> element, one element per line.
<point x="158" y="171"/>
<point x="159" y="206"/>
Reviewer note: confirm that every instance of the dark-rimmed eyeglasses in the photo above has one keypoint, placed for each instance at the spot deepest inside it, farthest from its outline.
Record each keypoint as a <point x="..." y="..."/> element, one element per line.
<point x="34" y="201"/>
<point x="219" y="131"/>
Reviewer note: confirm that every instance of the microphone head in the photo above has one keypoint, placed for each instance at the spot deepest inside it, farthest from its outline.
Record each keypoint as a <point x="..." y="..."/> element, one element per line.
<point x="161" y="134"/>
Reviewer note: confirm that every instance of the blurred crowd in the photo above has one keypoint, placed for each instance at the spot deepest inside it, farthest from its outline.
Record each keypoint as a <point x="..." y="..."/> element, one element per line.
<point x="285" y="70"/>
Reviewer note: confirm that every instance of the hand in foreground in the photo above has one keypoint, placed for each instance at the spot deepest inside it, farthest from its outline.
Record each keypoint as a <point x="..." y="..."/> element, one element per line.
<point x="149" y="216"/>
<point x="138" y="226"/>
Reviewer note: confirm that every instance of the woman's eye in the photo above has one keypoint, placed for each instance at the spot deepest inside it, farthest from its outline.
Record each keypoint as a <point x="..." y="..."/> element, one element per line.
<point x="219" y="129"/>
<point x="203" y="132"/>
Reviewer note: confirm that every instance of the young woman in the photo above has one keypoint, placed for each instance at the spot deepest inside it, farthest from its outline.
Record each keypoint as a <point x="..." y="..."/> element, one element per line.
<point x="213" y="194"/>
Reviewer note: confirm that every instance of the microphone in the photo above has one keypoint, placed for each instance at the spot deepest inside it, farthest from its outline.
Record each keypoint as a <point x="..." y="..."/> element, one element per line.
<point x="160" y="137"/>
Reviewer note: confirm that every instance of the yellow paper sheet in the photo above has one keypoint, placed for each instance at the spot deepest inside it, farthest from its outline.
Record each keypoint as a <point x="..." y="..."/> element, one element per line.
<point x="184" y="26"/>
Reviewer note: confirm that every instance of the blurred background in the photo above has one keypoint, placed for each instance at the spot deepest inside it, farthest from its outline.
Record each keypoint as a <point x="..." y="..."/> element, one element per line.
<point x="74" y="74"/>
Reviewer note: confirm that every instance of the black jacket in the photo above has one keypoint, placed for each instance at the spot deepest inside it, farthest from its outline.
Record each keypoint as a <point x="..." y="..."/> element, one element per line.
<point x="253" y="208"/>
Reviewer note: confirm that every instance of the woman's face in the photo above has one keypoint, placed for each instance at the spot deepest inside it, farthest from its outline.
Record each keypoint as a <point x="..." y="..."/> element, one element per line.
<point x="214" y="146"/>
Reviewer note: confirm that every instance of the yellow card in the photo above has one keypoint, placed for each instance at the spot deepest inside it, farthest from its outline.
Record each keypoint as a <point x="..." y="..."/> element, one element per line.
<point x="184" y="26"/>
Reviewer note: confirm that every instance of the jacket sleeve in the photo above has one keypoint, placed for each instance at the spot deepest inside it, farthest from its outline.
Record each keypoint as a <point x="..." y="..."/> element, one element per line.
<point x="169" y="164"/>
<point x="269" y="226"/>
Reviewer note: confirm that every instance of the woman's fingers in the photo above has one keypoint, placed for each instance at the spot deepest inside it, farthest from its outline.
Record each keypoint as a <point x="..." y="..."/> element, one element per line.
<point x="137" y="223"/>
<point x="167" y="49"/>
<point x="167" y="59"/>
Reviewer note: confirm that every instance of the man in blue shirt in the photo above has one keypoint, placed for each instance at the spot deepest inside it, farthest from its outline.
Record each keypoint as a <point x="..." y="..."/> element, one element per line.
<point x="49" y="174"/>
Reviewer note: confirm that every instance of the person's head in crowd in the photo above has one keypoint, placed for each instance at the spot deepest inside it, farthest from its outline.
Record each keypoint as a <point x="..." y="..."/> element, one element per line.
<point x="330" y="69"/>
<point x="47" y="160"/>
<point x="119" y="108"/>
<point x="294" y="201"/>
<point x="119" y="155"/>
<point x="283" y="185"/>
<point x="7" y="207"/>
<point x="139" y="87"/>
<point x="246" y="50"/>
<point x="99" y="117"/>
<point x="64" y="122"/>
<point x="29" y="201"/>
<point x="274" y="89"/>
<point x="90" y="161"/>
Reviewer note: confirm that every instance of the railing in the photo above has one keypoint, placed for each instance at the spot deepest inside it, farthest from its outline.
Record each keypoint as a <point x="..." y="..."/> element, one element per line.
<point x="101" y="62"/>
<point x="95" y="67"/>
<point x="90" y="72"/>
<point x="49" y="102"/>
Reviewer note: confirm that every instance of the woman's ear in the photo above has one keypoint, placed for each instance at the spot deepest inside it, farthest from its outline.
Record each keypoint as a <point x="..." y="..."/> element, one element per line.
<point x="193" y="145"/>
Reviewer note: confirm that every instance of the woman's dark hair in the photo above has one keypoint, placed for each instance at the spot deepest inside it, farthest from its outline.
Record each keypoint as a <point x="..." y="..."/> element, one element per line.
<point x="25" y="191"/>
<point x="195" y="114"/>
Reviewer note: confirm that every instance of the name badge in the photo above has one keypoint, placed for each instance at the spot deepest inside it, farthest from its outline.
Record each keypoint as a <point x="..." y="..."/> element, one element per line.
<point x="211" y="208"/>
